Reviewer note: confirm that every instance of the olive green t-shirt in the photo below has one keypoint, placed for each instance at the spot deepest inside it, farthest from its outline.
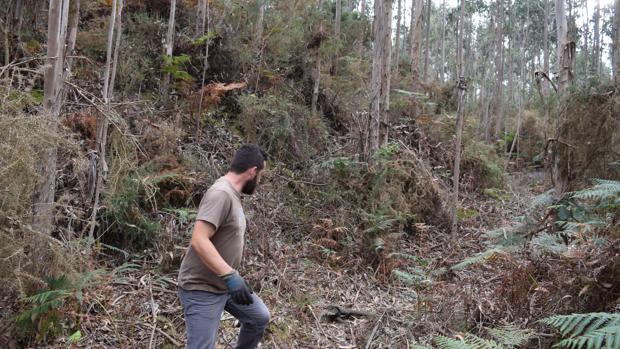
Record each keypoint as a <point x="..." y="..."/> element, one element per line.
<point x="220" y="206"/>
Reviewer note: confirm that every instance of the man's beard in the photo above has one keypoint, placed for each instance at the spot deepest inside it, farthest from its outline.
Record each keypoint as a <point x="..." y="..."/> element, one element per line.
<point x="250" y="186"/>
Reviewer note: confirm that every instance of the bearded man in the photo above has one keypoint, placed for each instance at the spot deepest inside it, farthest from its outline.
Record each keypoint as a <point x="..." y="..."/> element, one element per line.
<point x="209" y="282"/>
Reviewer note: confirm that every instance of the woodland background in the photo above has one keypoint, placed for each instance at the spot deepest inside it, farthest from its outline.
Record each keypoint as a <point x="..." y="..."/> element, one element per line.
<point x="441" y="175"/>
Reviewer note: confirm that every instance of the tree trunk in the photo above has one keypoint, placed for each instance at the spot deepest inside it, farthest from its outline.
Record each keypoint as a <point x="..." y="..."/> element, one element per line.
<point x="380" y="72"/>
<point x="397" y="43"/>
<point x="561" y="151"/>
<point x="258" y="38"/>
<point x="201" y="13"/>
<point x="317" y="73"/>
<point x="169" y="47"/>
<point x="98" y="161"/>
<point x="414" y="38"/>
<point x="499" y="64"/>
<point x="461" y="88"/>
<point x="43" y="201"/>
<point x="585" y="37"/>
<point x="545" y="83"/>
<point x="442" y="62"/>
<point x="596" y="52"/>
<point x="427" y="39"/>
<point x="337" y="20"/>
<point x="616" y="42"/>
<point x="385" y="70"/>
<point x="18" y="18"/>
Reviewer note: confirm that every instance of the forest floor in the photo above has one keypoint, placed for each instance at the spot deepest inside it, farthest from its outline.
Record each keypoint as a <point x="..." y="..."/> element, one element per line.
<point x="331" y="302"/>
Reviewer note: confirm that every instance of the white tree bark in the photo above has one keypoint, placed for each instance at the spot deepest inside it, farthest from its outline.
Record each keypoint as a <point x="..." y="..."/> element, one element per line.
<point x="379" y="85"/>
<point x="98" y="161"/>
<point x="201" y="14"/>
<point x="397" y="43"/>
<point x="169" y="47"/>
<point x="499" y="64"/>
<point x="461" y="87"/>
<point x="616" y="42"/>
<point x="414" y="43"/>
<point x="596" y="50"/>
<point x="43" y="202"/>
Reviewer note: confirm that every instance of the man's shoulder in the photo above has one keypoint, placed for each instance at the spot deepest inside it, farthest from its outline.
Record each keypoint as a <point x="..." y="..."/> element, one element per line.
<point x="219" y="189"/>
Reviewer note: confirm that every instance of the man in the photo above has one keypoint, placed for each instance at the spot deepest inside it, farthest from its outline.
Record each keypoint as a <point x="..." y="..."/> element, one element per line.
<point x="208" y="279"/>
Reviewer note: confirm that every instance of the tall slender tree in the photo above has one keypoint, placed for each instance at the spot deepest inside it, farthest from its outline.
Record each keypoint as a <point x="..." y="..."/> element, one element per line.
<point x="427" y="39"/>
<point x="442" y="60"/>
<point x="43" y="201"/>
<point x="201" y="15"/>
<point x="379" y="83"/>
<point x="596" y="49"/>
<point x="461" y="88"/>
<point x="561" y="151"/>
<point x="169" y="46"/>
<point x="414" y="43"/>
<point x="616" y="42"/>
<point x="397" y="40"/>
<point x="337" y="21"/>
<point x="98" y="161"/>
<point x="499" y="64"/>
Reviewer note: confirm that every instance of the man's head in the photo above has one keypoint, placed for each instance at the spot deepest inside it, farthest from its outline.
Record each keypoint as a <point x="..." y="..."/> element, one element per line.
<point x="248" y="164"/>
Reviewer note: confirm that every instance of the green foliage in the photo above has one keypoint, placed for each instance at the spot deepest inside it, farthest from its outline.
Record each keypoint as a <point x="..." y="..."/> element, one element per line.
<point x="511" y="335"/>
<point x="130" y="208"/>
<point x="482" y="166"/>
<point x="503" y="338"/>
<point x="46" y="316"/>
<point x="205" y="38"/>
<point x="172" y="65"/>
<point x="286" y="129"/>
<point x="592" y="330"/>
<point x="476" y="259"/>
<point x="579" y="217"/>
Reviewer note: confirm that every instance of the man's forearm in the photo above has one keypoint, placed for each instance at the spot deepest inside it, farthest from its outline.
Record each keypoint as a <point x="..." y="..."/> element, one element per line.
<point x="210" y="257"/>
<point x="202" y="245"/>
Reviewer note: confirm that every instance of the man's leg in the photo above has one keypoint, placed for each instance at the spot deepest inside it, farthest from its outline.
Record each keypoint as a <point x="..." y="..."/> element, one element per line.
<point x="203" y="311"/>
<point x="254" y="319"/>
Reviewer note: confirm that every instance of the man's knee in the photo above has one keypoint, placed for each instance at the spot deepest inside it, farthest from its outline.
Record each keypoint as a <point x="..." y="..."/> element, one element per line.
<point x="263" y="318"/>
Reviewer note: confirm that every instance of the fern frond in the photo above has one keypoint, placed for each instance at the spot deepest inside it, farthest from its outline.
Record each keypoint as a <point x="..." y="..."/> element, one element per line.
<point x="481" y="343"/>
<point x="511" y="335"/>
<point x="545" y="199"/>
<point x="477" y="259"/>
<point x="449" y="343"/>
<point x="603" y="189"/>
<point x="608" y="337"/>
<point x="590" y="330"/>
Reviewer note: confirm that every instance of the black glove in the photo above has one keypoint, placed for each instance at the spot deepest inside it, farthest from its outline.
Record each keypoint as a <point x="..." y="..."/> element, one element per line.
<point x="238" y="288"/>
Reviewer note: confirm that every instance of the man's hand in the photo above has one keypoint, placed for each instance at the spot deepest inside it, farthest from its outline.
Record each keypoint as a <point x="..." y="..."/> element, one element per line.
<point x="238" y="288"/>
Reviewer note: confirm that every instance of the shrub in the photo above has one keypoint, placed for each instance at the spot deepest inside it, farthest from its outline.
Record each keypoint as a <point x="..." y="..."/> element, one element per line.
<point x="286" y="129"/>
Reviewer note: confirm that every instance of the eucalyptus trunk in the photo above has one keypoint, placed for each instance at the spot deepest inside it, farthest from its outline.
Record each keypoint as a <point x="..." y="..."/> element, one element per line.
<point x="616" y="42"/>
<point x="397" y="43"/>
<point x="461" y="88"/>
<point x="427" y="39"/>
<point x="43" y="198"/>
<point x="414" y="40"/>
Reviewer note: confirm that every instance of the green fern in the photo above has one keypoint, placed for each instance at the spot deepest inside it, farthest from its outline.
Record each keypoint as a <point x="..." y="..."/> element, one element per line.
<point x="450" y="343"/>
<point x="477" y="259"/>
<point x="511" y="335"/>
<point x="592" y="330"/>
<point x="602" y="190"/>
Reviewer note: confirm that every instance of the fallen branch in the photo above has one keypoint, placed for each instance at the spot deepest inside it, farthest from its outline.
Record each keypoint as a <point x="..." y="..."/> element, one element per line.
<point x="374" y="331"/>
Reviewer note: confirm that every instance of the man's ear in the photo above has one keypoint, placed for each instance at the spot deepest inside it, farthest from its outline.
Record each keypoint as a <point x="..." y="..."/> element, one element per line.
<point x="253" y="171"/>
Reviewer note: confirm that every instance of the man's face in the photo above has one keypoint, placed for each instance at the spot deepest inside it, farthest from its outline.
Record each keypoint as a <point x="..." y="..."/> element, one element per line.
<point x="250" y="185"/>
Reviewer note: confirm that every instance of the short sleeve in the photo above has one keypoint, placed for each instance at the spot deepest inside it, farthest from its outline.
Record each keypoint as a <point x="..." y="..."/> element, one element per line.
<point x="214" y="207"/>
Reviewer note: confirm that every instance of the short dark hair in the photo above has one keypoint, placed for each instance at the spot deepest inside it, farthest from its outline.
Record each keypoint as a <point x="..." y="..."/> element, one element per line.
<point x="246" y="157"/>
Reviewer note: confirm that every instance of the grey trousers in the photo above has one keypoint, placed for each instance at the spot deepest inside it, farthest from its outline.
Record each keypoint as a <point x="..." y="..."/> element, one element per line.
<point x="203" y="311"/>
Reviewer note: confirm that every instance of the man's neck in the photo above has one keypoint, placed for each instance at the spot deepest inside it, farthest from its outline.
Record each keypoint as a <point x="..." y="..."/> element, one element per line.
<point x="234" y="180"/>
